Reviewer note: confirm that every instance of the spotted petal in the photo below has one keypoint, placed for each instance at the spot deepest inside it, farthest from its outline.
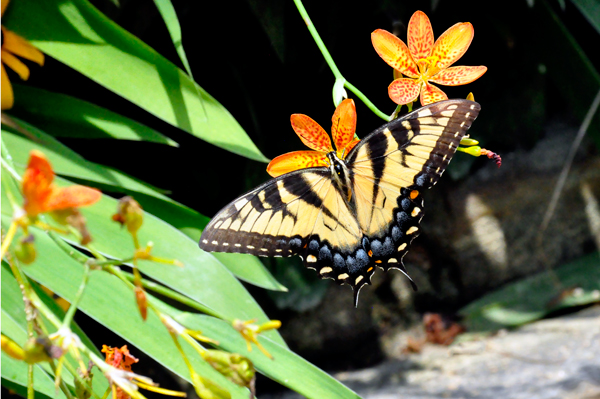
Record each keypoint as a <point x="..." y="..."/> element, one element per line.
<point x="343" y="124"/>
<point x="295" y="160"/>
<point x="404" y="91"/>
<point x="458" y="75"/>
<point x="431" y="94"/>
<point x="452" y="44"/>
<point x="394" y="52"/>
<point x="311" y="133"/>
<point x="420" y="36"/>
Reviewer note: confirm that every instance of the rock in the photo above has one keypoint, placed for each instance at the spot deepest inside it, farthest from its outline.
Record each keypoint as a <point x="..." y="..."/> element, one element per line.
<point x="556" y="358"/>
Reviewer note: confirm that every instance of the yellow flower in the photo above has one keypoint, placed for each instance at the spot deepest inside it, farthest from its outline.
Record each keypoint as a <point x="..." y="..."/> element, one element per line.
<point x="14" y="45"/>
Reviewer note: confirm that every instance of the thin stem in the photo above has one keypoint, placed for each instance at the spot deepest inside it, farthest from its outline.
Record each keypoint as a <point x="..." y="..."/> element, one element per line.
<point x="168" y="293"/>
<point x="30" y="390"/>
<point x="367" y="102"/>
<point x="331" y="63"/>
<point x="12" y="229"/>
<point x="71" y="312"/>
<point x="317" y="39"/>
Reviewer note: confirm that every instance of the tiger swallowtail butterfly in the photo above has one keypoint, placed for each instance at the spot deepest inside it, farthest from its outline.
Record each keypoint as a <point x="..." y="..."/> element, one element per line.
<point x="359" y="213"/>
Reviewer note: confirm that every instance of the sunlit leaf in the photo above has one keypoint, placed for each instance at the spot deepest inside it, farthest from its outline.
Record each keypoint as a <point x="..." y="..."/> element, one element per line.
<point x="77" y="34"/>
<point x="65" y="116"/>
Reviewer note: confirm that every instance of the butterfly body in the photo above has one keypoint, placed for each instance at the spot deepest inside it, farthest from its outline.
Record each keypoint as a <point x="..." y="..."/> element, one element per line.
<point x="360" y="212"/>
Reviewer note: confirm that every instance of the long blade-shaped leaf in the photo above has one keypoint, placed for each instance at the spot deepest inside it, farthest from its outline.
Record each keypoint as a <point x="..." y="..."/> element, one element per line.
<point x="64" y="116"/>
<point x="77" y="34"/>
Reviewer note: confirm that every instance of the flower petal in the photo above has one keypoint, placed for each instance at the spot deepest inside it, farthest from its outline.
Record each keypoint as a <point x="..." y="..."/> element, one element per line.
<point x="394" y="52"/>
<point x="404" y="91"/>
<point x="453" y="43"/>
<point x="15" y="64"/>
<point x="36" y="184"/>
<point x="311" y="133"/>
<point x="8" y="97"/>
<point x="431" y="94"/>
<point x="295" y="160"/>
<point x="71" y="197"/>
<point x="420" y="36"/>
<point x="350" y="146"/>
<point x="343" y="124"/>
<point x="458" y="75"/>
<point x="15" y="44"/>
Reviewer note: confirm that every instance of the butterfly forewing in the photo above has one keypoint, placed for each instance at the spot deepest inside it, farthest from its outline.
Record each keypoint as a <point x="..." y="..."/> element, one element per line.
<point x="343" y="238"/>
<point x="278" y="218"/>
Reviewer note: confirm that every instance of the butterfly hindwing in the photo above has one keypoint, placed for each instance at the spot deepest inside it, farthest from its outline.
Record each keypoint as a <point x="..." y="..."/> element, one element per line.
<point x="344" y="238"/>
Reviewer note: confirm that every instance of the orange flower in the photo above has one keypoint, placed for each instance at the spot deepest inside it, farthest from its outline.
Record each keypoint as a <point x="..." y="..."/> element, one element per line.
<point x="13" y="45"/>
<point x="119" y="357"/>
<point x="43" y="196"/>
<point x="315" y="137"/>
<point x="425" y="62"/>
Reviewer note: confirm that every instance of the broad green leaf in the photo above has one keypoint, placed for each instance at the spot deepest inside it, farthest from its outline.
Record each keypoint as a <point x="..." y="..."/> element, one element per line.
<point x="108" y="301"/>
<point x="77" y="34"/>
<point x="534" y="297"/>
<point x="68" y="163"/>
<point x="203" y="278"/>
<point x="286" y="367"/>
<point x="65" y="116"/>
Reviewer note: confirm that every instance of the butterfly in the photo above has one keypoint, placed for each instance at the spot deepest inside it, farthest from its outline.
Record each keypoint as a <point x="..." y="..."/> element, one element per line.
<point x="357" y="212"/>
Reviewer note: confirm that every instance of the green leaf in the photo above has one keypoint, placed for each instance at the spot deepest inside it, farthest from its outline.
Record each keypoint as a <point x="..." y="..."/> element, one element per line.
<point x="68" y="163"/>
<point x="203" y="278"/>
<point x="108" y="301"/>
<point x="167" y="11"/>
<point x="534" y="297"/>
<point x="66" y="116"/>
<point x="590" y="10"/>
<point x="77" y="34"/>
<point x="286" y="367"/>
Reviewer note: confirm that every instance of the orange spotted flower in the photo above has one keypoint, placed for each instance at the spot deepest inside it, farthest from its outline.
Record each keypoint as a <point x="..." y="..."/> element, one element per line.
<point x="424" y="62"/>
<point x="14" y="45"/>
<point x="315" y="137"/>
<point x="41" y="195"/>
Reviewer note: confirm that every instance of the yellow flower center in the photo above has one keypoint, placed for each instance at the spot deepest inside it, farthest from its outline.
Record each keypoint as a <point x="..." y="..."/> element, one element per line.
<point x="428" y="67"/>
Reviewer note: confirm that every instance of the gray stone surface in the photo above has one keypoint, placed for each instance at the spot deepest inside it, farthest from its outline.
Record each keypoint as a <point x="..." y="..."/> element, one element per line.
<point x="550" y="359"/>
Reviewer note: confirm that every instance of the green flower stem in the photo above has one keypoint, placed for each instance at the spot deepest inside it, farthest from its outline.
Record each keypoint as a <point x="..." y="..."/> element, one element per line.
<point x="71" y="312"/>
<point x="30" y="390"/>
<point x="367" y="102"/>
<point x="331" y="63"/>
<point x="168" y="293"/>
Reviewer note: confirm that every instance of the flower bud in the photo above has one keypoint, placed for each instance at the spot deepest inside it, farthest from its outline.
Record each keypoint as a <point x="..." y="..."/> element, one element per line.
<point x="207" y="389"/>
<point x="467" y="141"/>
<point x="37" y="350"/>
<point x="129" y="214"/>
<point x="237" y="368"/>
<point x="25" y="249"/>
